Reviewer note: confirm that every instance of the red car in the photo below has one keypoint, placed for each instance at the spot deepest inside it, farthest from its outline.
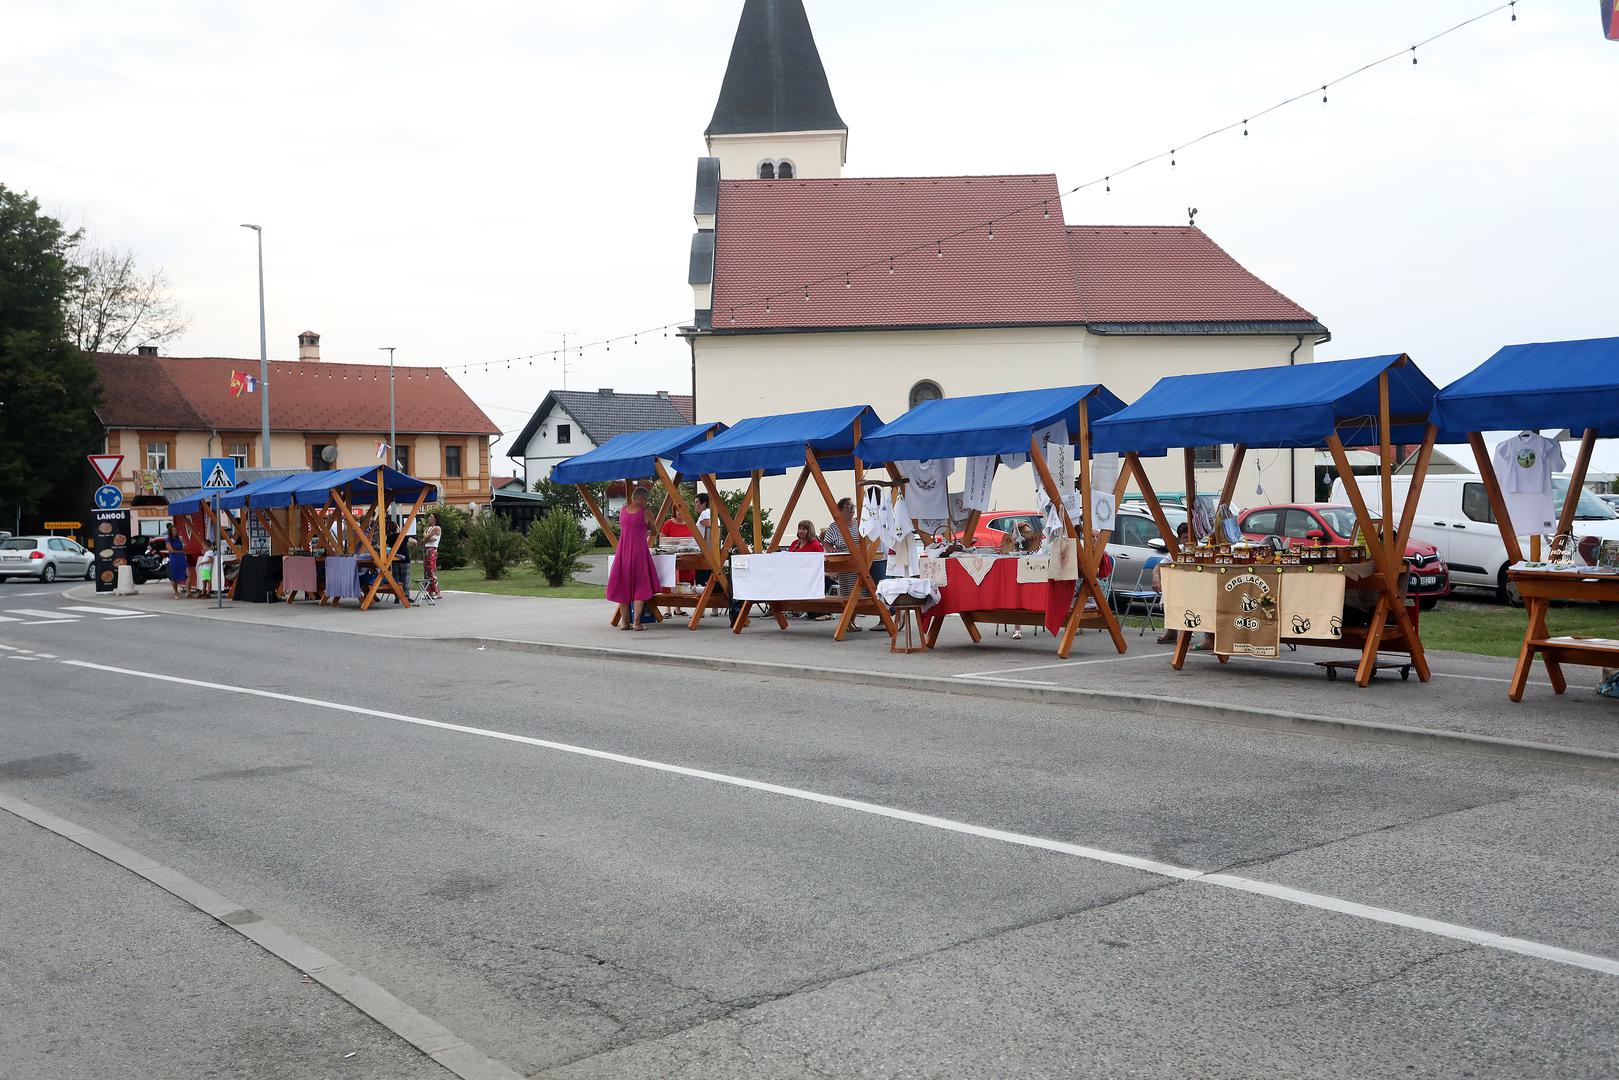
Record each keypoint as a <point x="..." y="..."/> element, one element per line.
<point x="1326" y="523"/>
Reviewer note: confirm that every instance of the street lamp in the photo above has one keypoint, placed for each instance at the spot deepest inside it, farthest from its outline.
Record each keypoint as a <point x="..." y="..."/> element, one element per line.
<point x="393" y="435"/>
<point x="264" y="359"/>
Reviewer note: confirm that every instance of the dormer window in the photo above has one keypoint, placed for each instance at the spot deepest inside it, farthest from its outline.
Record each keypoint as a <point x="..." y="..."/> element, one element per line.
<point x="767" y="170"/>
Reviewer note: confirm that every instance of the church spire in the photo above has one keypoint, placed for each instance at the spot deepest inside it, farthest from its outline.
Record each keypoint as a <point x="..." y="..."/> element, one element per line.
<point x="775" y="84"/>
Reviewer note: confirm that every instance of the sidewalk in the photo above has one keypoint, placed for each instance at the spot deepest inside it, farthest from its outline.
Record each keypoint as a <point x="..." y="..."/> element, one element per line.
<point x="1465" y="704"/>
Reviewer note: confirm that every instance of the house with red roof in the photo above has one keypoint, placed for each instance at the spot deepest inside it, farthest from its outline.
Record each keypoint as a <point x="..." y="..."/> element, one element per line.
<point x="167" y="413"/>
<point x="813" y="289"/>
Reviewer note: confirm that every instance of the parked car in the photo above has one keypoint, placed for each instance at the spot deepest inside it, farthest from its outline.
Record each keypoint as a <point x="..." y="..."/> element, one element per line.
<point x="1326" y="523"/>
<point x="1134" y="543"/>
<point x="45" y="557"/>
<point x="1612" y="501"/>
<point x="1454" y="515"/>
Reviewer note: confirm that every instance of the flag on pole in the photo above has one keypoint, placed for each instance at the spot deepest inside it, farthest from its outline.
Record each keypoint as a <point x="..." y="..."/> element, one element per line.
<point x="1610" y="19"/>
<point x="382" y="450"/>
<point x="242" y="384"/>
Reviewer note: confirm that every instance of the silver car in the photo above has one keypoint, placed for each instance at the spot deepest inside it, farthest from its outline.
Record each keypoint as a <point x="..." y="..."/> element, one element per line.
<point x="1134" y="544"/>
<point x="45" y="558"/>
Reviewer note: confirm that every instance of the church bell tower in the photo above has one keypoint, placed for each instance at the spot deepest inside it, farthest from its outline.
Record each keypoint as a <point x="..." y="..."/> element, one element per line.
<point x="775" y="119"/>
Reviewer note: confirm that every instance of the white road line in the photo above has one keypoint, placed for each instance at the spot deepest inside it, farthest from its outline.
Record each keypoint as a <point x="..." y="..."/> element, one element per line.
<point x="1060" y="663"/>
<point x="7" y="618"/>
<point x="102" y="610"/>
<point x="127" y="618"/>
<point x="34" y="613"/>
<point x="1454" y="931"/>
<point x="11" y="648"/>
<point x="20" y="595"/>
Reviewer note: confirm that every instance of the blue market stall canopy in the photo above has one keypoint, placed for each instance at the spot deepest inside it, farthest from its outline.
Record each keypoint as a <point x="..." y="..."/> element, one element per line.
<point x="1273" y="407"/>
<point x="359" y="487"/>
<point x="771" y="443"/>
<point x="631" y="456"/>
<point x="986" y="424"/>
<point x="1552" y="384"/>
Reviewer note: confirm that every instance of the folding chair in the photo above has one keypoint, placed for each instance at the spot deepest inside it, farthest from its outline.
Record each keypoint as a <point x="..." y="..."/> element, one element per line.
<point x="1145" y="602"/>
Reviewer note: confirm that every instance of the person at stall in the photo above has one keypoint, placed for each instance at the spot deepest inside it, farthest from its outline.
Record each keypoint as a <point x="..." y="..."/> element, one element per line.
<point x="705" y="524"/>
<point x="806" y="539"/>
<point x="633" y="580"/>
<point x="205" y="571"/>
<point x="832" y="543"/>
<point x="431" y="537"/>
<point x="177" y="561"/>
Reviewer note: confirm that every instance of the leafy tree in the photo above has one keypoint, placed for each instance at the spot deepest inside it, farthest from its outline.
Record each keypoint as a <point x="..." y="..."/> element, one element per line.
<point x="48" y="389"/>
<point x="115" y="305"/>
<point x="556" y="546"/>
<point x="567" y="497"/>
<point x="493" y="544"/>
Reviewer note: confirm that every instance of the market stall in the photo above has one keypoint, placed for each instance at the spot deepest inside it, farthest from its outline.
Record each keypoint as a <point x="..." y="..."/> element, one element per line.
<point x="1572" y="385"/>
<point x="1059" y="587"/>
<point x="643" y="455"/>
<point x="1257" y="598"/>
<point x="815" y="443"/>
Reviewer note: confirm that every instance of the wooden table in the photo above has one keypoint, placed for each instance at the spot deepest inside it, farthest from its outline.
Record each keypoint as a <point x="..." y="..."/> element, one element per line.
<point x="1538" y="589"/>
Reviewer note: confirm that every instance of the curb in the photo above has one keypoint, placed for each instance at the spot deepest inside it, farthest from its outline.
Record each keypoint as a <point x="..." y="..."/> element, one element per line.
<point x="1162" y="707"/>
<point x="424" y="1033"/>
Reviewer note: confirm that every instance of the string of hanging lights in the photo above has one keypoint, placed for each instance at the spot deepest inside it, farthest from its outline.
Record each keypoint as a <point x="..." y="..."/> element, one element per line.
<point x="845" y="276"/>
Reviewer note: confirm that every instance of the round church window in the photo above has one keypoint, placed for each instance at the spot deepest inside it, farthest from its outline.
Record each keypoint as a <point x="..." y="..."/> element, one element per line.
<point x="926" y="390"/>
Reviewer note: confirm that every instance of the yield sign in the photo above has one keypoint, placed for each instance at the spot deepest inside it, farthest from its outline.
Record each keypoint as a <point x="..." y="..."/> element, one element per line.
<point x="106" y="465"/>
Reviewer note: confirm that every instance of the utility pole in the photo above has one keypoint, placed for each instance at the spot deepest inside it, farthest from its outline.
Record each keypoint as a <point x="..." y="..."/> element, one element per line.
<point x="393" y="434"/>
<point x="264" y="361"/>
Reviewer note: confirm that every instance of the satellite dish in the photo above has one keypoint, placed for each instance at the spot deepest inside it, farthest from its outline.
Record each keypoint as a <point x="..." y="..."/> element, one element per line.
<point x="329" y="454"/>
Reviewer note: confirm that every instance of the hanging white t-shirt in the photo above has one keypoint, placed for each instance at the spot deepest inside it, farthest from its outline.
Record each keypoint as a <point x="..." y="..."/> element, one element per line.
<point x="980" y="478"/>
<point x="927" y="488"/>
<point x="1524" y="465"/>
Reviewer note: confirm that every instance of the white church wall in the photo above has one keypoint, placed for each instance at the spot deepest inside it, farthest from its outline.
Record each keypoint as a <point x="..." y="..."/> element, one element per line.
<point x="738" y="377"/>
<point x="814" y="154"/>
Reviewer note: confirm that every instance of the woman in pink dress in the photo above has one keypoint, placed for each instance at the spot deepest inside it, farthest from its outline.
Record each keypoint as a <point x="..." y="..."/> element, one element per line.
<point x="634" y="577"/>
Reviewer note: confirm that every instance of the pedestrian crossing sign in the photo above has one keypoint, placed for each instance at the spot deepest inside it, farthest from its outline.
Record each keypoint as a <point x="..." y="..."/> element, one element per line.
<point x="218" y="473"/>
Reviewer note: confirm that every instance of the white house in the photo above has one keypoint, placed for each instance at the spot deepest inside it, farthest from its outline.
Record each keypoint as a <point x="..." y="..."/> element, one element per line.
<point x="1027" y="302"/>
<point x="573" y="422"/>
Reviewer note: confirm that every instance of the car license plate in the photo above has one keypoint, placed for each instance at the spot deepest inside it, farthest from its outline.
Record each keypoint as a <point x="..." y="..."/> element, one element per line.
<point x="1427" y="581"/>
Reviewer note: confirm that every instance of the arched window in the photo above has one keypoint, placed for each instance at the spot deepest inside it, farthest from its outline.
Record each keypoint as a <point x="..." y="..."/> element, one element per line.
<point x="926" y="390"/>
<point x="767" y="170"/>
<point x="784" y="169"/>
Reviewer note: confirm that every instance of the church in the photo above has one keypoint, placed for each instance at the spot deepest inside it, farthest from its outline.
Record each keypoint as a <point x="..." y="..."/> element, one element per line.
<point x="813" y="289"/>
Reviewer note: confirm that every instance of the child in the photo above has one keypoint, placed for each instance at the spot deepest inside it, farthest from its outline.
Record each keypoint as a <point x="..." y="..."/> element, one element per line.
<point x="205" y="572"/>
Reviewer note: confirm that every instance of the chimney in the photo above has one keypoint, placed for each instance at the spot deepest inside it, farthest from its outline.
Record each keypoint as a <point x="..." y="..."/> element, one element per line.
<point x="663" y="393"/>
<point x="146" y="350"/>
<point x="309" y="347"/>
<point x="606" y="391"/>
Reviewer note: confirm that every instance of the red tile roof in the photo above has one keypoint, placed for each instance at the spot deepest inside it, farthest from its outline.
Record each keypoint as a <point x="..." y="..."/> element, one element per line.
<point x="773" y="236"/>
<point x="1169" y="273"/>
<point x="194" y="394"/>
<point x="687" y="407"/>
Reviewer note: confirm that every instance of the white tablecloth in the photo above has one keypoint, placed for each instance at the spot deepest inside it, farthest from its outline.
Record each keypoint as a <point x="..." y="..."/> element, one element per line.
<point x="668" y="569"/>
<point x="891" y="589"/>
<point x="779" y="575"/>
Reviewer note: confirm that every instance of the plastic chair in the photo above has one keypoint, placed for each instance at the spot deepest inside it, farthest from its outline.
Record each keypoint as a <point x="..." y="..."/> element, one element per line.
<point x="1144" y="602"/>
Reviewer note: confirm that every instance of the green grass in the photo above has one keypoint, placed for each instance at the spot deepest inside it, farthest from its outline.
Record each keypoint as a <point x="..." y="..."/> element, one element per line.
<point x="519" y="581"/>
<point x="1497" y="630"/>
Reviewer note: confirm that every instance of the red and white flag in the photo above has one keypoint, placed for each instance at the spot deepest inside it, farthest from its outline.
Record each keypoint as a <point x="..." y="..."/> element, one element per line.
<point x="382" y="450"/>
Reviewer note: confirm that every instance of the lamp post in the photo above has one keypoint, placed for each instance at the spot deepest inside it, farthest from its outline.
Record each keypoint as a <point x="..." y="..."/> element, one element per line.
<point x="393" y="435"/>
<point x="264" y="359"/>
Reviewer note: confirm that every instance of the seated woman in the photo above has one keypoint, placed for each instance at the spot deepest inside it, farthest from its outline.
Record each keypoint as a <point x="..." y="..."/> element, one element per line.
<point x="806" y="540"/>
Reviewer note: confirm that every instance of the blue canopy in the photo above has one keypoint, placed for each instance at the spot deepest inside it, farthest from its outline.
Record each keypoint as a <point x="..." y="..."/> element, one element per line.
<point x="631" y="456"/>
<point x="233" y="499"/>
<point x="778" y="442"/>
<point x="359" y="486"/>
<point x="1552" y="384"/>
<point x="986" y="424"/>
<point x="1273" y="407"/>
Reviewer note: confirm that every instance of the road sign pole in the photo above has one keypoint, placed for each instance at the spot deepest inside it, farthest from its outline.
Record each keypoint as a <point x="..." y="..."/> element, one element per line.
<point x="219" y="556"/>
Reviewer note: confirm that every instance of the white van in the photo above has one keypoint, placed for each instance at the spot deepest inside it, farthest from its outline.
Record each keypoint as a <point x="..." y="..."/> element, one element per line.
<point x="1454" y="515"/>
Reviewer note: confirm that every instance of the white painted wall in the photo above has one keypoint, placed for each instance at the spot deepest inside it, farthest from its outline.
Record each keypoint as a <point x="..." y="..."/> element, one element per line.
<point x="543" y="453"/>
<point x="738" y="377"/>
<point x="814" y="154"/>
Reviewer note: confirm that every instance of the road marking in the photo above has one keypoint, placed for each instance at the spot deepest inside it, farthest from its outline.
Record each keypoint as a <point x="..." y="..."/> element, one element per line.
<point x="103" y="610"/>
<point x="20" y="595"/>
<point x="7" y="618"/>
<point x="1060" y="663"/>
<point x="1387" y="916"/>
<point x="127" y="618"/>
<point x="34" y="613"/>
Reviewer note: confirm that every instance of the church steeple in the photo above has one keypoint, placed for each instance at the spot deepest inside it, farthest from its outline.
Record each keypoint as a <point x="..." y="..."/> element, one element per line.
<point x="775" y="118"/>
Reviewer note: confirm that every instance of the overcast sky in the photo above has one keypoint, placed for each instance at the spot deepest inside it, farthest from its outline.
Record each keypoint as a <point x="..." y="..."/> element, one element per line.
<point x="461" y="180"/>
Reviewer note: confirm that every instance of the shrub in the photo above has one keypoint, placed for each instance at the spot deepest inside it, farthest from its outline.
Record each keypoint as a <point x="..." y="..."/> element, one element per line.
<point x="452" y="545"/>
<point x="733" y="500"/>
<point x="598" y="539"/>
<point x="556" y="545"/>
<point x="493" y="544"/>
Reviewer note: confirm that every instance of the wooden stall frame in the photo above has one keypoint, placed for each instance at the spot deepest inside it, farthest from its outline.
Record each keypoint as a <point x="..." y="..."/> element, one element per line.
<point x="1386" y="546"/>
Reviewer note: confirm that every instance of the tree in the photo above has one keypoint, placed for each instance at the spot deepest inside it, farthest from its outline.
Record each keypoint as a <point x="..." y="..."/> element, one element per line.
<point x="115" y="305"/>
<point x="556" y="546"/>
<point x="567" y="497"/>
<point x="733" y="500"/>
<point x="48" y="389"/>
<point x="452" y="545"/>
<point x="493" y="544"/>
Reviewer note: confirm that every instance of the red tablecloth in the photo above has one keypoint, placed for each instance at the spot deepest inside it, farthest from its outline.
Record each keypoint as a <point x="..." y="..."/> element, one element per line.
<point x="1001" y="591"/>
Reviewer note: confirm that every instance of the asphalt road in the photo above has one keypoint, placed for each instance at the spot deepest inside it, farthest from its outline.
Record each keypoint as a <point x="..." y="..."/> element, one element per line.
<point x="936" y="887"/>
